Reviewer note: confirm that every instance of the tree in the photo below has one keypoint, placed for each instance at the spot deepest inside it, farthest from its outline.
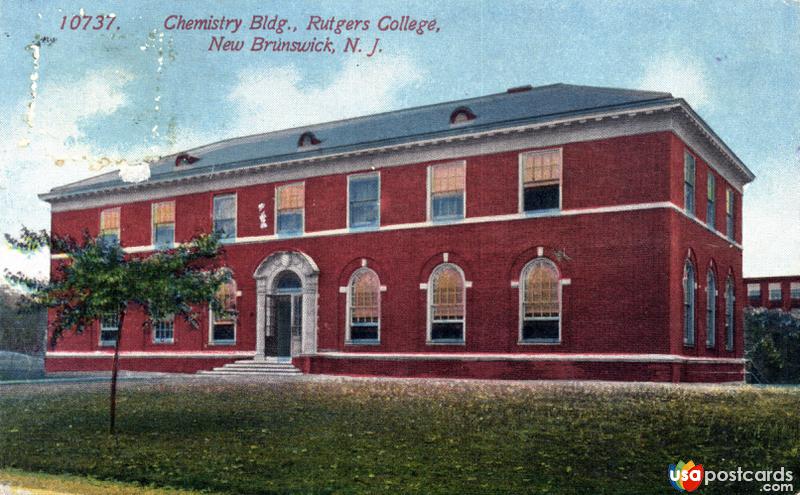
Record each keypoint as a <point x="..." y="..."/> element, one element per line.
<point x="772" y="344"/>
<point x="98" y="279"/>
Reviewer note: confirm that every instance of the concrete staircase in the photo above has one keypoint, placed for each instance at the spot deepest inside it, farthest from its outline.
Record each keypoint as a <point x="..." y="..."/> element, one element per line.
<point x="250" y="367"/>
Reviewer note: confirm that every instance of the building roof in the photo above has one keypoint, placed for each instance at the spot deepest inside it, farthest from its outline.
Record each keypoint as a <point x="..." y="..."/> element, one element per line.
<point x="517" y="106"/>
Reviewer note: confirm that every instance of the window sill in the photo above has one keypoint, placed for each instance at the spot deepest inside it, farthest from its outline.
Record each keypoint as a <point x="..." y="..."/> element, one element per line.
<point x="107" y="344"/>
<point x="222" y="342"/>
<point x="363" y="228"/>
<point x="164" y="342"/>
<point x="362" y="342"/>
<point x="443" y="221"/>
<point x="539" y="342"/>
<point x="541" y="213"/>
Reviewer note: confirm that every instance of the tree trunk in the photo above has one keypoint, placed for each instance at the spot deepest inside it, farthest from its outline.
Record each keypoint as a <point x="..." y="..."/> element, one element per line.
<point x="114" y="371"/>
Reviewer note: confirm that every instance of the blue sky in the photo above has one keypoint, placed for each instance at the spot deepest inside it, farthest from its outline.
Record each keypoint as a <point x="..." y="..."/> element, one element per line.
<point x="119" y="96"/>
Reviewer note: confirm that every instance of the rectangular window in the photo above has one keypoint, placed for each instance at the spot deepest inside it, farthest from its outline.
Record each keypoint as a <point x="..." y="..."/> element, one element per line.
<point x="541" y="180"/>
<point x="108" y="329"/>
<point x="775" y="291"/>
<point x="754" y="292"/>
<point x="290" y="208"/>
<point x="164" y="331"/>
<point x="794" y="290"/>
<point x="711" y="212"/>
<point x="164" y="224"/>
<point x="364" y="201"/>
<point x="688" y="182"/>
<point x="225" y="217"/>
<point x="109" y="225"/>
<point x="447" y="186"/>
<point x="729" y="214"/>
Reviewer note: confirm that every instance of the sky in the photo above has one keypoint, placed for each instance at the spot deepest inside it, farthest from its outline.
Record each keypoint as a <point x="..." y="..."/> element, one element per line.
<point x="86" y="101"/>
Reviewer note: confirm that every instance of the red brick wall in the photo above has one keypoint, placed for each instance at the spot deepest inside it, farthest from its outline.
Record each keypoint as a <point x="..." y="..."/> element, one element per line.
<point x="625" y="268"/>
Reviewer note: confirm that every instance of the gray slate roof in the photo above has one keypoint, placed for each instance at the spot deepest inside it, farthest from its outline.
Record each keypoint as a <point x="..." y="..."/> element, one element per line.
<point x="397" y="127"/>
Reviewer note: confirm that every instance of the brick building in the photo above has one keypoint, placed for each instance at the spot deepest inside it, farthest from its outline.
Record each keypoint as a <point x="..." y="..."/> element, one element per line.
<point x="551" y="232"/>
<point x="774" y="292"/>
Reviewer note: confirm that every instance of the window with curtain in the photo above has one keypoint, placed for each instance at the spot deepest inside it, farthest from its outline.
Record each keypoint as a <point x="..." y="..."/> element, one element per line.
<point x="110" y="225"/>
<point x="688" y="182"/>
<point x="689" y="282"/>
<point x="711" y="309"/>
<point x="223" y="326"/>
<point x="225" y="217"/>
<point x="364" y="201"/>
<point x="164" y="224"/>
<point x="446" y="298"/>
<point x="541" y="180"/>
<point x="290" y="208"/>
<point x="448" y="182"/>
<point x="364" y="306"/>
<point x="541" y="304"/>
<point x="775" y="293"/>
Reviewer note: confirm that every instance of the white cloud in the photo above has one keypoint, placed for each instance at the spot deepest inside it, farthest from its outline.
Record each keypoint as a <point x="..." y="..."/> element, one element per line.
<point x="682" y="75"/>
<point x="276" y="98"/>
<point x="772" y="219"/>
<point x="52" y="152"/>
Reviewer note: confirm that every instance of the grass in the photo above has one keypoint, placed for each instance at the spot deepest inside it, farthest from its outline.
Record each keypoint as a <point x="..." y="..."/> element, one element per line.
<point x="48" y="484"/>
<point x="415" y="436"/>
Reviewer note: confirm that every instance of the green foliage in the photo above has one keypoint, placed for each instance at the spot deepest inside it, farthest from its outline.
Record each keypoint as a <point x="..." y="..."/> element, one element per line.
<point x="21" y="330"/>
<point x="772" y="345"/>
<point x="98" y="278"/>
<point x="410" y="436"/>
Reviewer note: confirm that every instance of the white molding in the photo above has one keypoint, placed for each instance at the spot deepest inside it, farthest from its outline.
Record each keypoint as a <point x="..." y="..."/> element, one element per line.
<point x="464" y="356"/>
<point x="552" y="133"/>
<point x="145" y="354"/>
<point x="470" y="220"/>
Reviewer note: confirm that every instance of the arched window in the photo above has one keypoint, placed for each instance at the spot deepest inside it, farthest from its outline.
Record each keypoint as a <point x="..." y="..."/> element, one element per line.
<point x="446" y="300"/>
<point x="288" y="281"/>
<point x="364" y="306"/>
<point x="541" y="302"/>
<point x="223" y="326"/>
<point x="730" y="320"/>
<point x="711" y="308"/>
<point x="688" y="303"/>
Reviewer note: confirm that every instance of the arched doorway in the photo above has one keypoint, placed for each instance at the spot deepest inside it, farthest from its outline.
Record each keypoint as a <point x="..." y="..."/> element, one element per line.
<point x="286" y="318"/>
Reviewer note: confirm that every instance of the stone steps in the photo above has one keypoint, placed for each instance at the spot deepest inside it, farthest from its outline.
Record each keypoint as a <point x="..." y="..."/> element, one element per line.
<point x="254" y="368"/>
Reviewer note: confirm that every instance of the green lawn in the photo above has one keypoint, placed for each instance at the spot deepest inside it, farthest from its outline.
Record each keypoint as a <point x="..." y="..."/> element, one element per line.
<point x="409" y="436"/>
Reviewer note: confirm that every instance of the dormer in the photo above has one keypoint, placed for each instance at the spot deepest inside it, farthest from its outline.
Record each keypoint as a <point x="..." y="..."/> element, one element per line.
<point x="307" y="139"/>
<point x="461" y="115"/>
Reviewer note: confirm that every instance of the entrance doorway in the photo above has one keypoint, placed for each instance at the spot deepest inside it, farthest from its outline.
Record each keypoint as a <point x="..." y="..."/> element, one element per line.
<point x="286" y="303"/>
<point x="286" y="309"/>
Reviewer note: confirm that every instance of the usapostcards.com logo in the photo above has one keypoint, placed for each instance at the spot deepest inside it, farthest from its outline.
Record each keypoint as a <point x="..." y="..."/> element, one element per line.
<point x="687" y="476"/>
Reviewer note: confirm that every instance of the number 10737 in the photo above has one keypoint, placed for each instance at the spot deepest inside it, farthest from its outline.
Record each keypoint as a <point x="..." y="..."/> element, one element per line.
<point x="96" y="22"/>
